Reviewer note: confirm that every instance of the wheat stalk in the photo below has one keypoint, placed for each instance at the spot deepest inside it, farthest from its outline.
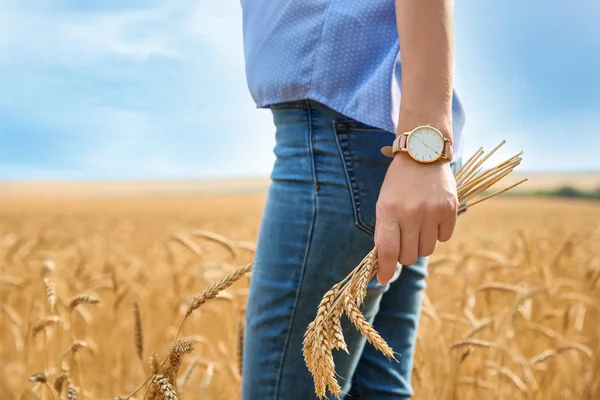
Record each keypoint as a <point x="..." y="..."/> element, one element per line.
<point x="182" y="382"/>
<point x="12" y="281"/>
<point x="42" y="379"/>
<point x="44" y="323"/>
<point x="240" y="346"/>
<point x="324" y="333"/>
<point x="222" y="240"/>
<point x="502" y="287"/>
<point x="509" y="374"/>
<point x="207" y="379"/>
<point x="475" y="343"/>
<point x="139" y="334"/>
<point x="187" y="243"/>
<point x="75" y="347"/>
<point x="477" y="328"/>
<point x="546" y="354"/>
<point x="477" y="383"/>
<point x="13" y="315"/>
<point x="73" y="304"/>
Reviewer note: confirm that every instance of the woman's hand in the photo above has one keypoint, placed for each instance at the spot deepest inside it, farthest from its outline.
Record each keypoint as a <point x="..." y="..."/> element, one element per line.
<point x="417" y="206"/>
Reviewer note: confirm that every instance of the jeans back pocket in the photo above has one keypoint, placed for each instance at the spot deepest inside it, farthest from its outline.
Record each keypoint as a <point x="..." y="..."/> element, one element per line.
<point x="360" y="148"/>
<point x="365" y="166"/>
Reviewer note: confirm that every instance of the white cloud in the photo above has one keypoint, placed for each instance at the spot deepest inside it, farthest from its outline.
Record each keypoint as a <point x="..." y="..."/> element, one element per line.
<point x="141" y="145"/>
<point x="83" y="38"/>
<point x="111" y="141"/>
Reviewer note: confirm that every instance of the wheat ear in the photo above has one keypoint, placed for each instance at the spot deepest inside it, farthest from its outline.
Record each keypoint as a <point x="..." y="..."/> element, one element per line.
<point x="71" y="393"/>
<point x="165" y="387"/>
<point x="212" y="291"/>
<point x="317" y="353"/>
<point x="42" y="378"/>
<point x="323" y="333"/>
<point x="179" y="349"/>
<point x="50" y="294"/>
<point x="83" y="299"/>
<point x="60" y="381"/>
<point x="139" y="333"/>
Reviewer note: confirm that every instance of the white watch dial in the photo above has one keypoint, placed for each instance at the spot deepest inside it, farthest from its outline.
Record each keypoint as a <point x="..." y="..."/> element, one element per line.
<point x="425" y="144"/>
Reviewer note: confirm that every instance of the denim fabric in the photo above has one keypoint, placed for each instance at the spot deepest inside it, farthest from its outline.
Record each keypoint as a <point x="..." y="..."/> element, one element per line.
<point x="317" y="225"/>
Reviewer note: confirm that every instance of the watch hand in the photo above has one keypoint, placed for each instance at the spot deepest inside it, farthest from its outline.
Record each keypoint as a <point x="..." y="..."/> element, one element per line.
<point x="425" y="144"/>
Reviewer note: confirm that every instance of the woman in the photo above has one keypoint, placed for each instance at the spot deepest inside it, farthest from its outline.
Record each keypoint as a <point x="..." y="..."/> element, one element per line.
<point x="331" y="72"/>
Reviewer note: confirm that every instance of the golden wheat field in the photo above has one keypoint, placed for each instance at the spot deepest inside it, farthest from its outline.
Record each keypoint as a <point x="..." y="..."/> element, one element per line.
<point x="512" y="306"/>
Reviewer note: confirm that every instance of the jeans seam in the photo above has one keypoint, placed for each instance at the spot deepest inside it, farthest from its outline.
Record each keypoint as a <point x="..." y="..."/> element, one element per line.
<point x="354" y="195"/>
<point x="306" y="253"/>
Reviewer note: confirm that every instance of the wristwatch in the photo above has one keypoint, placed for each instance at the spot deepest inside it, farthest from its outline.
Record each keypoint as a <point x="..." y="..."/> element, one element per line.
<point x="425" y="144"/>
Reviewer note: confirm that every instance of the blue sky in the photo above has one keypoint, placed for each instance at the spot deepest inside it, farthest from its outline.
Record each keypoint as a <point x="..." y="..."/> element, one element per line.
<point x="156" y="89"/>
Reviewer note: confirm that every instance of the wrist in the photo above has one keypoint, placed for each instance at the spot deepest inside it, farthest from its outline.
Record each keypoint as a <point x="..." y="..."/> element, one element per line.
<point x="409" y="119"/>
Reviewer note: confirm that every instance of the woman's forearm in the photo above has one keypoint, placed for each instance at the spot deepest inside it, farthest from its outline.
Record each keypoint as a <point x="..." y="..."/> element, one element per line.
<point x="426" y="47"/>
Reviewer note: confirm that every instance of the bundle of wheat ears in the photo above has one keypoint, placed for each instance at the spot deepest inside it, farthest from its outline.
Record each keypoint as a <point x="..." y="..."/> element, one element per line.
<point x="324" y="334"/>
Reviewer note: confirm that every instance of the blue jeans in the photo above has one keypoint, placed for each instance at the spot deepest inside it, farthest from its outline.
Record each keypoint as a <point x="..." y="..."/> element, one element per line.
<point x="318" y="224"/>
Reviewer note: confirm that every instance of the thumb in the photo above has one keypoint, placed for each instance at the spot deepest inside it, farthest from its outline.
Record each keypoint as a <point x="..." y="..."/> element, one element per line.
<point x="387" y="241"/>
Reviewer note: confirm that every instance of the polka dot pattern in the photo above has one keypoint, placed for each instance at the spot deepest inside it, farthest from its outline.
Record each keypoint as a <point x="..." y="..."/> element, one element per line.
<point x="344" y="54"/>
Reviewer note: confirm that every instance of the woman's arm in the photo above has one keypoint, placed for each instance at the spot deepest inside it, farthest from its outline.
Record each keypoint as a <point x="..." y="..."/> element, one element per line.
<point x="417" y="204"/>
<point x="426" y="47"/>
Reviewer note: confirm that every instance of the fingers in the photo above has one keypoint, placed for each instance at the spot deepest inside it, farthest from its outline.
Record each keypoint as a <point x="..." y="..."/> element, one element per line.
<point x="428" y="239"/>
<point x="446" y="228"/>
<point x="410" y="222"/>
<point x="409" y="247"/>
<point x="387" y="241"/>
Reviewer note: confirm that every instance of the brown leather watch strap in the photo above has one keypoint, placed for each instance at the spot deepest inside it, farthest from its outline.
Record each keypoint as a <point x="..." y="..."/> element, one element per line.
<point x="399" y="144"/>
<point x="448" y="153"/>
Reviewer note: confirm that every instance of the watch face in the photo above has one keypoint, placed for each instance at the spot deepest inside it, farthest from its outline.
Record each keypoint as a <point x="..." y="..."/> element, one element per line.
<point x="425" y="144"/>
